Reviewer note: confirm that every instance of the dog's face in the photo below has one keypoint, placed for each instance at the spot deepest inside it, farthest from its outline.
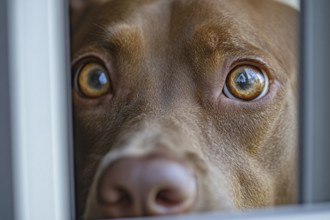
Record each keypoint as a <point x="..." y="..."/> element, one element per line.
<point x="208" y="84"/>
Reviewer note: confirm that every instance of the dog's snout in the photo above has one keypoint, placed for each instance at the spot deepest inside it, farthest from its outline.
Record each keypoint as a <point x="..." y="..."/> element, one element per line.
<point x="147" y="186"/>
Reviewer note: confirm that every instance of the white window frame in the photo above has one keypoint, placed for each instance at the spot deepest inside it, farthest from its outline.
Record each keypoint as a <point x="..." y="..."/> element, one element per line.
<point x="40" y="109"/>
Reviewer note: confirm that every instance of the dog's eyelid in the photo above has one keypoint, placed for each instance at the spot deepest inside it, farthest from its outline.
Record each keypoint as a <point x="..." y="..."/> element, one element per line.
<point x="95" y="55"/>
<point x="252" y="60"/>
<point x="261" y="62"/>
<point x="92" y="49"/>
<point x="78" y="64"/>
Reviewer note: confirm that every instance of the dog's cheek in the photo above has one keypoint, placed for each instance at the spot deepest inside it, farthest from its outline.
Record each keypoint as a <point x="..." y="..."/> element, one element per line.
<point x="83" y="167"/>
<point x="252" y="188"/>
<point x="248" y="129"/>
<point x="87" y="129"/>
<point x="234" y="147"/>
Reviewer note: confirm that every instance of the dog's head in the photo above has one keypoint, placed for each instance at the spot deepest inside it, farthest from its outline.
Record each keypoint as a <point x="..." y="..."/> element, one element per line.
<point x="209" y="85"/>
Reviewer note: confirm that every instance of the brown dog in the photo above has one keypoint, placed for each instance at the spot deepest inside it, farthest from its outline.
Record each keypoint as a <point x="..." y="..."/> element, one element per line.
<point x="183" y="105"/>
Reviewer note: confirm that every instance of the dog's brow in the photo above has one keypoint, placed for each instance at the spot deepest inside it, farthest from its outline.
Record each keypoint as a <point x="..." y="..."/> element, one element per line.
<point x="212" y="39"/>
<point x="215" y="37"/>
<point x="121" y="37"/>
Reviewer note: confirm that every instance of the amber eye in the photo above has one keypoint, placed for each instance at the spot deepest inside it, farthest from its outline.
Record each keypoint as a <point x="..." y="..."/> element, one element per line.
<point x="93" y="80"/>
<point x="246" y="83"/>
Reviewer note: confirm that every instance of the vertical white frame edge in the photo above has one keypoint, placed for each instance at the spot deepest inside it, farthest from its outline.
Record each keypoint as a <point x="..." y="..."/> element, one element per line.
<point x="40" y="105"/>
<point x="6" y="178"/>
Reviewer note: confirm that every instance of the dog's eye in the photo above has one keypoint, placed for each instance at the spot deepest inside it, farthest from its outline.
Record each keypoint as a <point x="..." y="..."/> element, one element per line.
<point x="93" y="80"/>
<point x="246" y="83"/>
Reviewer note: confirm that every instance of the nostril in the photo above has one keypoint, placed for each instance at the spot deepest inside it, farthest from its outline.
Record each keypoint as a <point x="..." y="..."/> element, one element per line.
<point x="168" y="198"/>
<point x="175" y="197"/>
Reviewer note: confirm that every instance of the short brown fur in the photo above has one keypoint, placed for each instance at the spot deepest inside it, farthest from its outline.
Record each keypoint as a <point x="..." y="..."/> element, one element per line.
<point x="169" y="60"/>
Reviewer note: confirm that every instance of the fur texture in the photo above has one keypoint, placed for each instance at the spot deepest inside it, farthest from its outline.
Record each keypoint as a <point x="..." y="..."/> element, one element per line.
<point x="168" y="62"/>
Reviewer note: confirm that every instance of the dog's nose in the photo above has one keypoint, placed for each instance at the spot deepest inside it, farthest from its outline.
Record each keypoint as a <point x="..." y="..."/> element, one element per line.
<point x="145" y="187"/>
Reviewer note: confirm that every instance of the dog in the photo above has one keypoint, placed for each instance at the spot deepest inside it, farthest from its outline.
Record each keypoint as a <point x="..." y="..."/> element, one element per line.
<point x="183" y="105"/>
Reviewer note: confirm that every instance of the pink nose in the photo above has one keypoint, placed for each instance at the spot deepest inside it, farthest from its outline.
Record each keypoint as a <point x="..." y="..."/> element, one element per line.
<point x="146" y="186"/>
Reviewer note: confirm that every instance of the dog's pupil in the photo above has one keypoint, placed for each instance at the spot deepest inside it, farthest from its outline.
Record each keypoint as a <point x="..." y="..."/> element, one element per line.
<point x="246" y="79"/>
<point x="97" y="79"/>
<point x="242" y="80"/>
